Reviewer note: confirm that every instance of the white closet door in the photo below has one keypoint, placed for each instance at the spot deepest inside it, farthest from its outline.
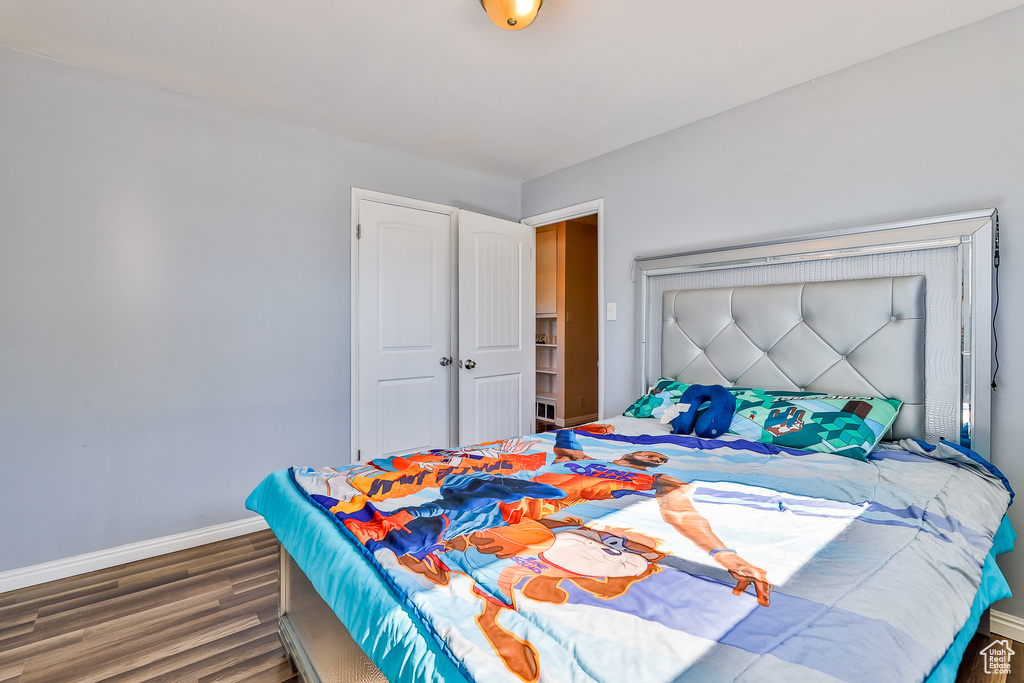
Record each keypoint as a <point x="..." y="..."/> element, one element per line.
<point x="497" y="300"/>
<point x="405" y="285"/>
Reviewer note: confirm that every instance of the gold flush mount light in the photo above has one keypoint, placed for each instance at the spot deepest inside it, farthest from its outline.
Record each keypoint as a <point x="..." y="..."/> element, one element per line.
<point x="512" y="15"/>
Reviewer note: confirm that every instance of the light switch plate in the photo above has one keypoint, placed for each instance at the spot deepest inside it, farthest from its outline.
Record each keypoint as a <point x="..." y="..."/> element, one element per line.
<point x="611" y="311"/>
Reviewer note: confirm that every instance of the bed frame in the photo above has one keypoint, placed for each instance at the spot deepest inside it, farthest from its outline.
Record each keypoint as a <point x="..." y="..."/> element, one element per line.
<point x="319" y="644"/>
<point x="956" y="252"/>
<point x="753" y="336"/>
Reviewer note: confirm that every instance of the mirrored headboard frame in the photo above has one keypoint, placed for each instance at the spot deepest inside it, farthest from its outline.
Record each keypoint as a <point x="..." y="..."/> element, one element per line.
<point x="972" y="235"/>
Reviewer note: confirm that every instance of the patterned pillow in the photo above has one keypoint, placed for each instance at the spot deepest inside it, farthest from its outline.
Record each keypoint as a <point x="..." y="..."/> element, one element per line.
<point x="664" y="394"/>
<point x="850" y="426"/>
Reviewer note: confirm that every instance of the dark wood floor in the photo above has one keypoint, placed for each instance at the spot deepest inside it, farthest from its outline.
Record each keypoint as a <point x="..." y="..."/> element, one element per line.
<point x="972" y="668"/>
<point x="205" y="614"/>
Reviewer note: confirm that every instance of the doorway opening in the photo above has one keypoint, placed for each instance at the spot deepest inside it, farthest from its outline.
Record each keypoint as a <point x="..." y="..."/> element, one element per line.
<point x="568" y="322"/>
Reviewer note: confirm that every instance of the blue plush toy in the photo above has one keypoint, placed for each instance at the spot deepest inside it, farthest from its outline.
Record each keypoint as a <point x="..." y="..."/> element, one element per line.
<point x="714" y="421"/>
<point x="566" y="438"/>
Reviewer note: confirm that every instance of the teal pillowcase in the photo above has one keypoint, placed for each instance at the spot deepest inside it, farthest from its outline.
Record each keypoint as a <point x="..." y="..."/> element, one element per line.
<point x="665" y="393"/>
<point x="850" y="426"/>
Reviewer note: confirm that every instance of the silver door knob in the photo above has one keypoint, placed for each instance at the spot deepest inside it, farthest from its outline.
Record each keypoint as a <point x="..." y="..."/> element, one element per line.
<point x="470" y="364"/>
<point x="446" y="361"/>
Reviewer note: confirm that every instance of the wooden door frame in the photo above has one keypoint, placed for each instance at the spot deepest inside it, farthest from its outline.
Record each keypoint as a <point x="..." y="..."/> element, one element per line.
<point x="406" y="202"/>
<point x="578" y="211"/>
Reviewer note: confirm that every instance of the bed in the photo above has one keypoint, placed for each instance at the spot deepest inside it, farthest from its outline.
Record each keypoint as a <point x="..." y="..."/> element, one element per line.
<point x="623" y="550"/>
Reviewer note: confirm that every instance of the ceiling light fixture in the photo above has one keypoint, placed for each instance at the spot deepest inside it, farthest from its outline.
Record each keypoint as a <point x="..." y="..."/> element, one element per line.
<point x="512" y="15"/>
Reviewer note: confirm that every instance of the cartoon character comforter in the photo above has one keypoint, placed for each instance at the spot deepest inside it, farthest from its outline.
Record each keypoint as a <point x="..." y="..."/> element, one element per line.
<point x="590" y="556"/>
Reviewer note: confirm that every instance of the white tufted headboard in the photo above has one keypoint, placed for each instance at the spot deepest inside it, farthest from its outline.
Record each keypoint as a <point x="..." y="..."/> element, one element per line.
<point x="954" y="252"/>
<point x="849" y="337"/>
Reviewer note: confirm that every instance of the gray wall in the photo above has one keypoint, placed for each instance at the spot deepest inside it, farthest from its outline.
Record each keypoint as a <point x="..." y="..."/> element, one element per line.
<point x="174" y="303"/>
<point x="935" y="128"/>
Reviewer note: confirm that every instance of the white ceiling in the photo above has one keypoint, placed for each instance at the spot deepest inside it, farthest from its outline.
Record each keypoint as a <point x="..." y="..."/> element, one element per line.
<point x="437" y="79"/>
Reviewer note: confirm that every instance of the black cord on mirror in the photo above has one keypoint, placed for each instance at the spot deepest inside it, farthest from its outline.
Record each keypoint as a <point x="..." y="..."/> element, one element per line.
<point x="995" y="309"/>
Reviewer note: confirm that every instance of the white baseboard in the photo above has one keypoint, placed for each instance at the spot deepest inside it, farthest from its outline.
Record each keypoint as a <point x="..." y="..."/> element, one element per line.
<point x="1007" y="625"/>
<point x="103" y="559"/>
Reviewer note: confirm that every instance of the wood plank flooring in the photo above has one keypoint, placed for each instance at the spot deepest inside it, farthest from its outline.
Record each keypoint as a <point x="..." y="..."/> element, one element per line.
<point x="201" y="615"/>
<point x="972" y="668"/>
<point x="204" y="614"/>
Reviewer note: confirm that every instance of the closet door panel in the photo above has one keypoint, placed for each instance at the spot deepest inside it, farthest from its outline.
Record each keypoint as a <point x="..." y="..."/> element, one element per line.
<point x="405" y="328"/>
<point x="497" y="301"/>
